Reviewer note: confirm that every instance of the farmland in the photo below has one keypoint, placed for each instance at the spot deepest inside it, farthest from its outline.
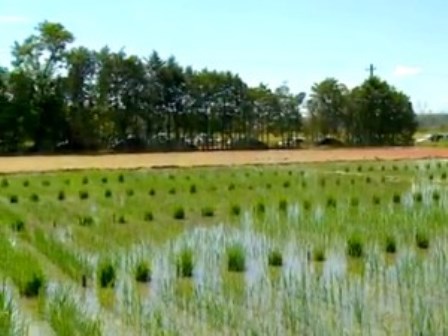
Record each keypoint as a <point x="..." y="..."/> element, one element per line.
<point x="300" y="249"/>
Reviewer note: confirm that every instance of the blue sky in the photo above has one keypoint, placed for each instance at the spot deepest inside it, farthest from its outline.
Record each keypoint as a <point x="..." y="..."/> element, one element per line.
<point x="300" y="42"/>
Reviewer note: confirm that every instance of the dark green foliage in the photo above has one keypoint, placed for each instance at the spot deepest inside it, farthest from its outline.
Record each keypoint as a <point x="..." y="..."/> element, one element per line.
<point x="355" y="247"/>
<point x="261" y="208"/>
<point x="268" y="186"/>
<point x="431" y="177"/>
<point x="106" y="275"/>
<point x="422" y="240"/>
<point x="231" y="187"/>
<point x="435" y="196"/>
<point x="307" y="205"/>
<point x="184" y="264"/>
<point x="235" y="210"/>
<point x="108" y="193"/>
<point x="359" y="168"/>
<point x="396" y="198"/>
<point x="18" y="225"/>
<point x="331" y="202"/>
<point x="13" y="199"/>
<point x="322" y="182"/>
<point x="85" y="180"/>
<point x="148" y="217"/>
<point x="283" y="205"/>
<point x="304" y="185"/>
<point x="104" y="180"/>
<point x="46" y="183"/>
<point x="121" y="178"/>
<point x="418" y="197"/>
<point x="33" y="286"/>
<point x="171" y="177"/>
<point x="391" y="245"/>
<point x="5" y="183"/>
<point x="179" y="213"/>
<point x="67" y="182"/>
<point x="236" y="259"/>
<point x="193" y="189"/>
<point x="86" y="221"/>
<point x="130" y="192"/>
<point x="286" y="184"/>
<point x="61" y="195"/>
<point x="376" y="200"/>
<point x="143" y="272"/>
<point x="319" y="254"/>
<point x="172" y="191"/>
<point x="34" y="198"/>
<point x="26" y="183"/>
<point x="443" y="176"/>
<point x="207" y="212"/>
<point x="354" y="201"/>
<point x="275" y="258"/>
<point x="394" y="168"/>
<point x="122" y="219"/>
<point x="83" y="194"/>
<point x="368" y="179"/>
<point x="152" y="192"/>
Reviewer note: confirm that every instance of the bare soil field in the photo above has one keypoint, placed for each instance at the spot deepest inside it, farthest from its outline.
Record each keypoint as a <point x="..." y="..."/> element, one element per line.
<point x="192" y="159"/>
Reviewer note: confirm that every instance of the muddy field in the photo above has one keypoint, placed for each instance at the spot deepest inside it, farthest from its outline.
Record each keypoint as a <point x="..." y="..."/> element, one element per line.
<point x="128" y="161"/>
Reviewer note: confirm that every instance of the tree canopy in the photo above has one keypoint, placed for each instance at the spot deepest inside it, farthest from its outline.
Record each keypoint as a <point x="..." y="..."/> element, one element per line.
<point x="57" y="96"/>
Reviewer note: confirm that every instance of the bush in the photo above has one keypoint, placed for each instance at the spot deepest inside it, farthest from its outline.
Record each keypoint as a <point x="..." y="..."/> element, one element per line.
<point x="86" y="221"/>
<point x="130" y="192"/>
<point x="396" y="198"/>
<point x="359" y="168"/>
<point x="46" y="183"/>
<point x="418" y="197"/>
<point x="431" y="177"/>
<point x="268" y="186"/>
<point x="143" y="272"/>
<point x="261" y="208"/>
<point x="13" y="199"/>
<point x="283" y="205"/>
<point x="275" y="258"/>
<point x="331" y="202"/>
<point x="18" y="225"/>
<point x="152" y="192"/>
<point x="33" y="286"/>
<point x="5" y="183"/>
<point x="193" y="189"/>
<point x="149" y="217"/>
<point x="108" y="193"/>
<point x="368" y="179"/>
<point x="443" y="176"/>
<point x="122" y="219"/>
<point x="207" y="212"/>
<point x="61" y="195"/>
<point x="83" y="194"/>
<point x="286" y="184"/>
<point x="391" y="245"/>
<point x="436" y="196"/>
<point x="376" y="200"/>
<point x="231" y="187"/>
<point x="235" y="210"/>
<point x="354" y="201"/>
<point x="319" y="254"/>
<point x="179" y="213"/>
<point x="355" y="247"/>
<point x="104" y="180"/>
<point x="106" y="275"/>
<point x="422" y="240"/>
<point x="26" y="183"/>
<point x="236" y="259"/>
<point x="307" y="205"/>
<point x="34" y="197"/>
<point x="85" y="180"/>
<point x="184" y="264"/>
<point x="172" y="191"/>
<point x="171" y="177"/>
<point x="121" y="178"/>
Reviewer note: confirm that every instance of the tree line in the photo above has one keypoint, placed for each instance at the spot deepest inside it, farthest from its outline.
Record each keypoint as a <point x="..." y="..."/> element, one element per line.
<point x="56" y="97"/>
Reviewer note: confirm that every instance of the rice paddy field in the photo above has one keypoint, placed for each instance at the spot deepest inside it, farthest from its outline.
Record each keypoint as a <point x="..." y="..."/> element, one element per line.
<point x="351" y="248"/>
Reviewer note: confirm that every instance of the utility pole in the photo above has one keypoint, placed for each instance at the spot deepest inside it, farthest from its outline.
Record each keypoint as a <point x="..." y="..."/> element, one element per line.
<point x="371" y="70"/>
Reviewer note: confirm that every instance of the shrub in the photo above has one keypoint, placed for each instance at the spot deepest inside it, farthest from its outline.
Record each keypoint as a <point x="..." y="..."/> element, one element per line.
<point x="46" y="183"/>
<point x="108" y="193"/>
<point x="83" y="194"/>
<point x="86" y="221"/>
<point x="396" y="198"/>
<point x="283" y="205"/>
<point x="383" y="168"/>
<point x="250" y="187"/>
<point x="130" y="192"/>
<point x="18" y="225"/>
<point x="184" y="264"/>
<point x="418" y="197"/>
<point x="171" y="177"/>
<point x="319" y="254"/>
<point x="347" y="169"/>
<point x="394" y="168"/>
<point x="122" y="219"/>
<point x="152" y="192"/>
<point x="26" y="183"/>
<point x="443" y="176"/>
<point x="275" y="258"/>
<point x="359" y="168"/>
<point x="376" y="200"/>
<point x="104" y="180"/>
<point x="121" y="178"/>
<point x="370" y="168"/>
<point x="172" y="191"/>
<point x="231" y="187"/>
<point x="34" y="197"/>
<point x="304" y="184"/>
<point x="143" y="272"/>
<point x="13" y="199"/>
<point x="61" y="195"/>
<point x="368" y="179"/>
<point x="354" y="201"/>
<point x="207" y="212"/>
<point x="106" y="275"/>
<point x="268" y="186"/>
<point x="431" y="177"/>
<point x="85" y="180"/>
<point x="355" y="247"/>
<point x="179" y="213"/>
<point x="33" y="286"/>
<point x="436" y="196"/>
<point x="286" y="184"/>
<point x="193" y="189"/>
<point x="261" y="208"/>
<point x="236" y="259"/>
<point x="331" y="202"/>
<point x="391" y="245"/>
<point x="307" y="205"/>
<point x="235" y="210"/>
<point x="149" y="217"/>
<point x="422" y="240"/>
<point x="5" y="183"/>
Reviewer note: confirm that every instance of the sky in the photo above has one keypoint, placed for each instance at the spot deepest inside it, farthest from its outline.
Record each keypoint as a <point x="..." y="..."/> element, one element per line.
<point x="297" y="42"/>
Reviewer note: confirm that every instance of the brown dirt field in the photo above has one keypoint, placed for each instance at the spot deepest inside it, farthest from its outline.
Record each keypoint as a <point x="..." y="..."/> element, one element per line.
<point x="154" y="160"/>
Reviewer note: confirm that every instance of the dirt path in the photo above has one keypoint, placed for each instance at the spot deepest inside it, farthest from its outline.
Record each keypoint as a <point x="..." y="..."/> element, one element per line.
<point x="127" y="161"/>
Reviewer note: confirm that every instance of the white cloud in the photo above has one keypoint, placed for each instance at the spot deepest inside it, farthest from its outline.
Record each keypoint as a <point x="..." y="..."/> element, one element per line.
<point x="404" y="71"/>
<point x="12" y="19"/>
